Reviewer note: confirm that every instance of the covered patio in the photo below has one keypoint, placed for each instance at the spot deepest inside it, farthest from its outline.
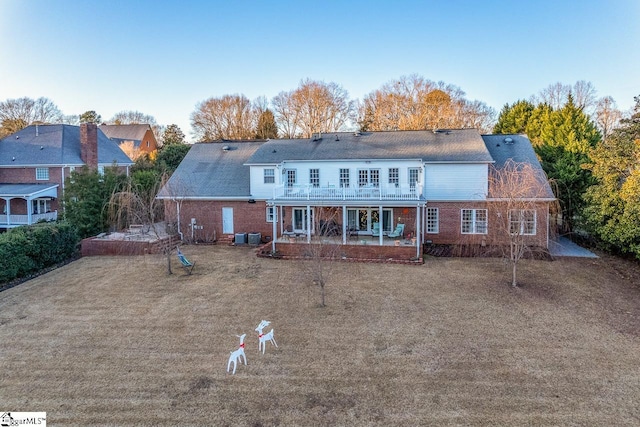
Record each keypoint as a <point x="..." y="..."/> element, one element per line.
<point x="26" y="204"/>
<point x="395" y="222"/>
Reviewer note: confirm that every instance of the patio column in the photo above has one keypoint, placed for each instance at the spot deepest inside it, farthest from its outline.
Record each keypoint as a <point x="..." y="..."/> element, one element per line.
<point x="8" y="203"/>
<point x="29" y="211"/>
<point x="308" y="224"/>
<point x="418" y="232"/>
<point x="344" y="224"/>
<point x="276" y="220"/>
<point x="381" y="226"/>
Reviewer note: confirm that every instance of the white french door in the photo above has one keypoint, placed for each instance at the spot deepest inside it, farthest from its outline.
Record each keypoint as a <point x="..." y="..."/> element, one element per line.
<point x="300" y="220"/>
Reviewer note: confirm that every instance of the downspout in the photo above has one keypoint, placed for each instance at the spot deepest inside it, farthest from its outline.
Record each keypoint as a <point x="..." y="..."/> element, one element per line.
<point x="178" y="213"/>
<point x="276" y="220"/>
<point x="418" y="232"/>
<point x="61" y="202"/>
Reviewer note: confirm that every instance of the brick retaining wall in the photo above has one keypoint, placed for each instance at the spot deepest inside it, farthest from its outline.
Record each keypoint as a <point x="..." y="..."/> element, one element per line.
<point x="93" y="246"/>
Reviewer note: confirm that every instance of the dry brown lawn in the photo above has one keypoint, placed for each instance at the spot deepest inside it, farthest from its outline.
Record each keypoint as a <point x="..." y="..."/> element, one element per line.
<point x="117" y="341"/>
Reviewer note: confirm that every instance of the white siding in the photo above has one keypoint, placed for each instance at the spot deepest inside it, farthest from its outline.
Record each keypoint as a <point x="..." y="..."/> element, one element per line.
<point x="260" y="190"/>
<point x="330" y="173"/>
<point x="456" y="181"/>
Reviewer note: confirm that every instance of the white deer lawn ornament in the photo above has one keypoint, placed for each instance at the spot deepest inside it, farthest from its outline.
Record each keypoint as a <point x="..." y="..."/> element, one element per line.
<point x="263" y="338"/>
<point x="238" y="355"/>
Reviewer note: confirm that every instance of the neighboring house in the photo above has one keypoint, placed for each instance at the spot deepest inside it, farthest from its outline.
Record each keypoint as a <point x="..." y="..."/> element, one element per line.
<point x="35" y="162"/>
<point x="436" y="183"/>
<point x="132" y="139"/>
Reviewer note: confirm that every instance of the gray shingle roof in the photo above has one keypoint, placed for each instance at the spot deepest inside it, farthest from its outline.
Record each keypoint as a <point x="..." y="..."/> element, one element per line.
<point x="125" y="132"/>
<point x="519" y="149"/>
<point x="55" y="145"/>
<point x="458" y="145"/>
<point x="209" y="171"/>
<point x="25" y="190"/>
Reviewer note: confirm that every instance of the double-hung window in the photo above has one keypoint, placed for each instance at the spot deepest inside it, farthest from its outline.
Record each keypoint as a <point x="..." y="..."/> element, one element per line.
<point x="432" y="221"/>
<point x="522" y="221"/>
<point x="42" y="174"/>
<point x="474" y="221"/>
<point x="344" y="178"/>
<point x="269" y="176"/>
<point x="314" y="177"/>
<point x="414" y="177"/>
<point x="271" y="213"/>
<point x="394" y="176"/>
<point x="291" y="177"/>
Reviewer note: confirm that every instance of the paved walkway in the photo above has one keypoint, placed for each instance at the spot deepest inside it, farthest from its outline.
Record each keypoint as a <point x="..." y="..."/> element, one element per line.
<point x="565" y="247"/>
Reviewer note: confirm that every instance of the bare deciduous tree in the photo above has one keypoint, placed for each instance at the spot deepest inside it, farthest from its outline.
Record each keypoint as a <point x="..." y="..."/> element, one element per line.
<point x="16" y="114"/>
<point x="557" y="94"/>
<point x="314" y="106"/>
<point x="318" y="266"/>
<point x="131" y="150"/>
<point x="227" y="117"/>
<point x="129" y="117"/>
<point x="607" y="116"/>
<point x="415" y="103"/>
<point x="516" y="193"/>
<point x="137" y="204"/>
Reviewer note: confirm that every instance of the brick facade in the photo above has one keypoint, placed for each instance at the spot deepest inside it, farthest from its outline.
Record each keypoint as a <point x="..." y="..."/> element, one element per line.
<point x="251" y="218"/>
<point x="247" y="218"/>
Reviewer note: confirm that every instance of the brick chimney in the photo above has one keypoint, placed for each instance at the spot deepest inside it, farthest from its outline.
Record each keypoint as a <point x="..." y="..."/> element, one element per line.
<point x="89" y="144"/>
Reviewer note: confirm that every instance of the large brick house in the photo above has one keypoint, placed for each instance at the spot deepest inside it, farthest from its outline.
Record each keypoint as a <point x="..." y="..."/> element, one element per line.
<point x="138" y="138"/>
<point x="435" y="184"/>
<point x="35" y="162"/>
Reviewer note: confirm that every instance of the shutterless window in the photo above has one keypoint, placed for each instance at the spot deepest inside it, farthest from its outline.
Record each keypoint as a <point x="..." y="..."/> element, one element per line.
<point x="369" y="177"/>
<point x="314" y="177"/>
<point x="291" y="177"/>
<point x="474" y="221"/>
<point x="432" y="221"/>
<point x="394" y="176"/>
<point x="344" y="177"/>
<point x="42" y="174"/>
<point x="374" y="176"/>
<point x="414" y="176"/>
<point x="269" y="176"/>
<point x="522" y="221"/>
<point x="270" y="214"/>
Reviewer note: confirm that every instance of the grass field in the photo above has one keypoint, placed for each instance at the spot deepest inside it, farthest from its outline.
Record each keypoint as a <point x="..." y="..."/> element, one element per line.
<point x="117" y="341"/>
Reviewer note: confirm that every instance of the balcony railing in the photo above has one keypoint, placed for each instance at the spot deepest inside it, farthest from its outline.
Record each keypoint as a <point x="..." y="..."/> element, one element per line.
<point x="13" y="220"/>
<point x="309" y="192"/>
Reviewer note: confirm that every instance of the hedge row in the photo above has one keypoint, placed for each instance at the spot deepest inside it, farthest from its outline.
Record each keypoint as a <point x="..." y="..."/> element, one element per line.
<point x="26" y="250"/>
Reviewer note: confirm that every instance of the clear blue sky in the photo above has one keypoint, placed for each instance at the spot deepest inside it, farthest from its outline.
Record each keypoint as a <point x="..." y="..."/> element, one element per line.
<point x="163" y="57"/>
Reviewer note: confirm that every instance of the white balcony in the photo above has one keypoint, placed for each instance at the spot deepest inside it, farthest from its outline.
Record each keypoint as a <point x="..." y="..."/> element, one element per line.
<point x="7" y="221"/>
<point x="329" y="193"/>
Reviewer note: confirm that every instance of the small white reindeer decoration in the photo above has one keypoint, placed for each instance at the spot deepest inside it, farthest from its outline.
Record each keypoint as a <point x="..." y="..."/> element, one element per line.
<point x="263" y="338"/>
<point x="238" y="355"/>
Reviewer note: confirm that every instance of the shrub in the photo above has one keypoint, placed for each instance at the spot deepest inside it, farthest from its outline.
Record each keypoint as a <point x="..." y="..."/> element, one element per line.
<point x="29" y="249"/>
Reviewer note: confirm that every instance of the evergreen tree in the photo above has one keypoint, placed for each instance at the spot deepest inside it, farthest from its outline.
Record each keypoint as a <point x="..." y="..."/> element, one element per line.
<point x="613" y="210"/>
<point x="90" y="117"/>
<point x="267" y="128"/>
<point x="86" y="196"/>
<point x="170" y="157"/>
<point x="514" y="118"/>
<point x="565" y="140"/>
<point x="172" y="135"/>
